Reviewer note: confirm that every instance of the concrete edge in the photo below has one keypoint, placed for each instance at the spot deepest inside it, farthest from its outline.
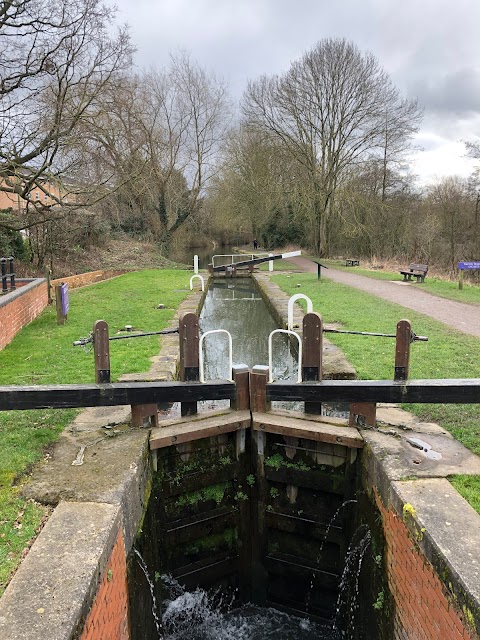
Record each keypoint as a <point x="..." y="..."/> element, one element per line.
<point x="428" y="529"/>
<point x="52" y="592"/>
<point x="13" y="295"/>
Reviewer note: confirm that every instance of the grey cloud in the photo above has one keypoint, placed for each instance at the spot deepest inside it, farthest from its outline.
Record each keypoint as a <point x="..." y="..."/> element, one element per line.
<point x="456" y="93"/>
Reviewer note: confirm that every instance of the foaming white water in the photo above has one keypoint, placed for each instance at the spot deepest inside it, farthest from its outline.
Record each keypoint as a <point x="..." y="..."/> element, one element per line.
<point x="199" y="615"/>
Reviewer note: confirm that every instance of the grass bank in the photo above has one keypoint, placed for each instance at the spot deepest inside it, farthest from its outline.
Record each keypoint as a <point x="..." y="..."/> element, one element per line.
<point x="447" y="354"/>
<point x="43" y="353"/>
<point x="470" y="293"/>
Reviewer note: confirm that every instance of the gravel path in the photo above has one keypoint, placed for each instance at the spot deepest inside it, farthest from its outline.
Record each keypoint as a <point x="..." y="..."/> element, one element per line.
<point x="460" y="316"/>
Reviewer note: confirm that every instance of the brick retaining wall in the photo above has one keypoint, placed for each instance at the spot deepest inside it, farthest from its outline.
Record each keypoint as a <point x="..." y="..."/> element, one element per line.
<point x="108" y="617"/>
<point x="423" y="608"/>
<point x="20" y="307"/>
<point x="84" y="279"/>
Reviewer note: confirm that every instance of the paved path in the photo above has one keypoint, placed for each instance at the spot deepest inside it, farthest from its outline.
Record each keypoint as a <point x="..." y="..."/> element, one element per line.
<point x="458" y="315"/>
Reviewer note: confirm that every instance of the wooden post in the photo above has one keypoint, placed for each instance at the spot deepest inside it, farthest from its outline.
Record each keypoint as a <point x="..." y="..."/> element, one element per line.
<point x="58" y="304"/>
<point x="258" y="389"/>
<point x="460" y="279"/>
<point x="189" y="361"/>
<point x="363" y="414"/>
<point x="402" y="351"/>
<point x="101" y="351"/>
<point x="258" y="402"/>
<point x="241" y="377"/>
<point x="312" y="355"/>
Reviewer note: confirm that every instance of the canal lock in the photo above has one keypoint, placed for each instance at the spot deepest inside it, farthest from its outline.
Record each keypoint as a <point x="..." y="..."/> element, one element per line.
<point x="271" y="520"/>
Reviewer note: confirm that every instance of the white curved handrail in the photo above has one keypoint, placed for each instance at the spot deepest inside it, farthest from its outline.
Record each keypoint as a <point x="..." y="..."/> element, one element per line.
<point x="270" y="356"/>
<point x="200" y="352"/>
<point x="297" y="296"/>
<point x="201" y="280"/>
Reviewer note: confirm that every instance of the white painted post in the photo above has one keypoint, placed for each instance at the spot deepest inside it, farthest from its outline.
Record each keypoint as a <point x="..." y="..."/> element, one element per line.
<point x="195" y="264"/>
<point x="270" y="263"/>
<point x="293" y="299"/>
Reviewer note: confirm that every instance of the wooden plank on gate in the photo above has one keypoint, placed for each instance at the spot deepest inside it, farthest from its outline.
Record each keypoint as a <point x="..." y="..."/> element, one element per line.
<point x="195" y="428"/>
<point x="311" y="430"/>
<point x="64" y="396"/>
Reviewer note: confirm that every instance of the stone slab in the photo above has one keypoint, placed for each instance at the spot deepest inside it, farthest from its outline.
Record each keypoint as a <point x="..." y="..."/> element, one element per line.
<point x="451" y="535"/>
<point x="49" y="596"/>
<point x="115" y="470"/>
<point x="399" y="459"/>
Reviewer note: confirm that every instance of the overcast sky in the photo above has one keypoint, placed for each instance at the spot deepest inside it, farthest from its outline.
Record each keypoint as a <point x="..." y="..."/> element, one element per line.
<point x="430" y="48"/>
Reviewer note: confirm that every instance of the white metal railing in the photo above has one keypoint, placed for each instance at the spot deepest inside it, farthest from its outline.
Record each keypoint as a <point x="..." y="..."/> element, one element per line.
<point x="293" y="299"/>
<point x="202" y="281"/>
<point x="200" y="352"/>
<point x="232" y="256"/>
<point x="270" y="354"/>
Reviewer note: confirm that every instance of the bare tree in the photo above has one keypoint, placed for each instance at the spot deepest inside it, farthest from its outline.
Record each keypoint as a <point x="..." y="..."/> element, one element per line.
<point x="328" y="110"/>
<point x="161" y="133"/>
<point x="450" y="202"/>
<point x="401" y="121"/>
<point x="56" y="59"/>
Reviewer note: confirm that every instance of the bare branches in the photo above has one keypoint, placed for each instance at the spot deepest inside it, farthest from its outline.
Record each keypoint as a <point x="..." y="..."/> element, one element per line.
<point x="331" y="110"/>
<point x="55" y="60"/>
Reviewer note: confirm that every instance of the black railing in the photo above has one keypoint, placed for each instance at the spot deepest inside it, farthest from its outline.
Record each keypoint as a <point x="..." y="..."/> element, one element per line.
<point x="10" y="275"/>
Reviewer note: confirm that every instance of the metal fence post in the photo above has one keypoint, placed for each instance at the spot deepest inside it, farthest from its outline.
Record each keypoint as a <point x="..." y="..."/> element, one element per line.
<point x="12" y="274"/>
<point x="4" y="275"/>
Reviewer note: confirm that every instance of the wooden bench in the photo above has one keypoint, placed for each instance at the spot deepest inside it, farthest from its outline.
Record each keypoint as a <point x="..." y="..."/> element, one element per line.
<point x="418" y="271"/>
<point x="352" y="263"/>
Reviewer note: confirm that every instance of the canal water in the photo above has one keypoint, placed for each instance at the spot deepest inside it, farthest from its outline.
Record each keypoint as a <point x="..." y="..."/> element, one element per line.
<point x="236" y="306"/>
<point x="203" y="615"/>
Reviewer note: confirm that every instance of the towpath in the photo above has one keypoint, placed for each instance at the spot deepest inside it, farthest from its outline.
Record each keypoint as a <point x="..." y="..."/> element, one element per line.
<point x="458" y="315"/>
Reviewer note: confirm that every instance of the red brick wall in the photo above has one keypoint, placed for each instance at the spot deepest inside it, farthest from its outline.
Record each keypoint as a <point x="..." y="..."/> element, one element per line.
<point x="83" y="279"/>
<point x="23" y="307"/>
<point x="422" y="608"/>
<point x="108" y="617"/>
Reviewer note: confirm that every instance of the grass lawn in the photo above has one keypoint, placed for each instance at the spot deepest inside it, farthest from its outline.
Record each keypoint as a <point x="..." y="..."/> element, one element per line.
<point x="280" y="265"/>
<point x="42" y="353"/>
<point x="443" y="288"/>
<point x="447" y="354"/>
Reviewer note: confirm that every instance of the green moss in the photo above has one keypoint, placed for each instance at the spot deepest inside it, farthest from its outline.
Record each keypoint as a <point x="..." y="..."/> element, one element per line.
<point x="225" y="539"/>
<point x="408" y="510"/>
<point x="380" y="601"/>
<point x="274" y="492"/>
<point x="214" y="492"/>
<point x="469" y="617"/>
<point x="250" y="480"/>
<point x="277" y="462"/>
